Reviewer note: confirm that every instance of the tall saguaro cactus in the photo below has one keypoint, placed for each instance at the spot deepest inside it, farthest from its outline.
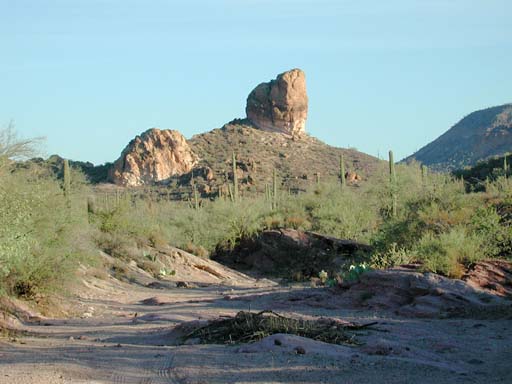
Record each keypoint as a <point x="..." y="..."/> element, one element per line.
<point x="67" y="181"/>
<point x="424" y="178"/>
<point x="230" y="194"/>
<point x="274" y="188"/>
<point x="235" y="179"/>
<point x="196" y="198"/>
<point x="392" y="181"/>
<point x="505" y="165"/>
<point x="342" y="172"/>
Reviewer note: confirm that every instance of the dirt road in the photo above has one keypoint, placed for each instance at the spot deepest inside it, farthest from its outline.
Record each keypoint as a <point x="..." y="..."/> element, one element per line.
<point x="125" y="335"/>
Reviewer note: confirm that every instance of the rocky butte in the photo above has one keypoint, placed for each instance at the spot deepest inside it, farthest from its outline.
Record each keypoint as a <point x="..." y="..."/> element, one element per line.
<point x="280" y="105"/>
<point x="154" y="156"/>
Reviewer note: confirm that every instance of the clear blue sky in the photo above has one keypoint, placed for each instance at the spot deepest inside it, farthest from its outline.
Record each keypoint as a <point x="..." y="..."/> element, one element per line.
<point x="91" y="74"/>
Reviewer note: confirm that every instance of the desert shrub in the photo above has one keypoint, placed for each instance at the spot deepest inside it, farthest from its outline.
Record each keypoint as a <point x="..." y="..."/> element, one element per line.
<point x="297" y="222"/>
<point x="115" y="244"/>
<point x="217" y="222"/>
<point x="494" y="230"/>
<point x="435" y="210"/>
<point x="120" y="271"/>
<point x="42" y="235"/>
<point x="343" y="216"/>
<point x="273" y="220"/>
<point x="447" y="252"/>
<point x="444" y="228"/>
<point x="197" y="250"/>
<point x="125" y="228"/>
<point x="391" y="257"/>
<point x="149" y="266"/>
<point x="139" y="223"/>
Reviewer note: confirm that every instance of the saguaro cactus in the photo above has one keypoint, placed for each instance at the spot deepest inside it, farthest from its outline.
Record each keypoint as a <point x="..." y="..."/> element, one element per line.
<point x="67" y="181"/>
<point x="230" y="193"/>
<point x="274" y="187"/>
<point x="196" y="197"/>
<point x="91" y="207"/>
<point x="342" y="172"/>
<point x="505" y="165"/>
<point x="424" y="172"/>
<point x="392" y="181"/>
<point x="235" y="179"/>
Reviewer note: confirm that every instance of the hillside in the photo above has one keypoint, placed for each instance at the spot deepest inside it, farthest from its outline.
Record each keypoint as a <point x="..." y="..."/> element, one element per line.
<point x="95" y="173"/>
<point x="297" y="160"/>
<point x="478" y="136"/>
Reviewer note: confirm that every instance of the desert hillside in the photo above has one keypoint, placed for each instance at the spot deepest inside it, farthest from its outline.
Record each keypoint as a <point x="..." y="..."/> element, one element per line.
<point x="478" y="136"/>
<point x="297" y="161"/>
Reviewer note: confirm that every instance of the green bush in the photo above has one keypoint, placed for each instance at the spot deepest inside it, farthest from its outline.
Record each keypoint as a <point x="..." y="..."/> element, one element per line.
<point x="42" y="237"/>
<point x="447" y="252"/>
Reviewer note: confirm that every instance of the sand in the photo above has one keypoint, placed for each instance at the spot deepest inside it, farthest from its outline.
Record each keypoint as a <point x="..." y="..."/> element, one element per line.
<point x="126" y="333"/>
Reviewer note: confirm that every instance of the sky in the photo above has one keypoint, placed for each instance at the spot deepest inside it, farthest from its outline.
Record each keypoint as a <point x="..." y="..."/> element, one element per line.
<point x="89" y="75"/>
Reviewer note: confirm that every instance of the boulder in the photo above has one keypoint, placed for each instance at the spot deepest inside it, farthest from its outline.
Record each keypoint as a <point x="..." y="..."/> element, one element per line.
<point x="352" y="177"/>
<point x="290" y="252"/>
<point x="154" y="156"/>
<point x="493" y="276"/>
<point x="280" y="105"/>
<point x="409" y="292"/>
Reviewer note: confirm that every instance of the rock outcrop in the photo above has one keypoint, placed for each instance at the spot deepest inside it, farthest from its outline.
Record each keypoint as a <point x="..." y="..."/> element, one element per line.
<point x="409" y="292"/>
<point x="352" y="177"/>
<point x="154" y="156"/>
<point x="493" y="276"/>
<point x="280" y="105"/>
<point x="290" y="253"/>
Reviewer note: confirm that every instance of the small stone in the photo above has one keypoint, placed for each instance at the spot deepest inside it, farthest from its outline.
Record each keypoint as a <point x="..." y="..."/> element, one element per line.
<point x="300" y="351"/>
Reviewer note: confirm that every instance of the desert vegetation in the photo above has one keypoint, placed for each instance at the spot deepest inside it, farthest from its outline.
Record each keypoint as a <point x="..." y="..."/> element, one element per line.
<point x="415" y="217"/>
<point x="50" y="224"/>
<point x="43" y="231"/>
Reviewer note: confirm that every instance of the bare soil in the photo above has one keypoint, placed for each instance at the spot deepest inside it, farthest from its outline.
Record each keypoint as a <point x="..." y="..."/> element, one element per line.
<point x="130" y="333"/>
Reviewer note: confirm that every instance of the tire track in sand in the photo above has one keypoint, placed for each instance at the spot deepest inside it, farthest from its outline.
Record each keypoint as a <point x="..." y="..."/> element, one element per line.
<point x="160" y="372"/>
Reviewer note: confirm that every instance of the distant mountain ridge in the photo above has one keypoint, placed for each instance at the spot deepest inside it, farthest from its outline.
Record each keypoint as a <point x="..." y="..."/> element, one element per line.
<point x="478" y="136"/>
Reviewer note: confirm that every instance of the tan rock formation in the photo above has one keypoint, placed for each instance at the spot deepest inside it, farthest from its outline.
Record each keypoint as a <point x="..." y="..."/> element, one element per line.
<point x="352" y="177"/>
<point x="154" y="156"/>
<point x="280" y="105"/>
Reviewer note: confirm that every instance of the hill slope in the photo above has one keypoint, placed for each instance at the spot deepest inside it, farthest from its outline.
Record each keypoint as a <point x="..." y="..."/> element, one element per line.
<point x="296" y="160"/>
<point x="479" y="135"/>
